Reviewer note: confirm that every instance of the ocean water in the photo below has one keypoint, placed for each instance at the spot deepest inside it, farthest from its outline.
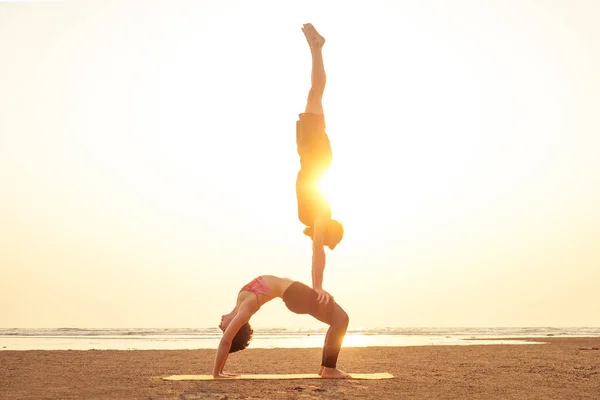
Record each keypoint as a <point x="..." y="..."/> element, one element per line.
<point x="208" y="338"/>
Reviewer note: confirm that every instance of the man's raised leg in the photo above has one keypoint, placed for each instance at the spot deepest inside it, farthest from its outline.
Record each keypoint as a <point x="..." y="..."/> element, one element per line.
<point x="314" y="103"/>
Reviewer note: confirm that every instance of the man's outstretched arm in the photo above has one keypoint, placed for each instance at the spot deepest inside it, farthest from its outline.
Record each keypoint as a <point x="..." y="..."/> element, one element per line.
<point x="318" y="258"/>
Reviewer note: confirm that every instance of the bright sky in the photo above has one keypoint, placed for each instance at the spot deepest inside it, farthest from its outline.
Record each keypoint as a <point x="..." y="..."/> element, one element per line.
<point x="148" y="160"/>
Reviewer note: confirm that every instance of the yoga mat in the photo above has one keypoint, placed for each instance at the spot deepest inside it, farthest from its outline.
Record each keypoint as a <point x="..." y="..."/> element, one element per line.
<point x="381" y="375"/>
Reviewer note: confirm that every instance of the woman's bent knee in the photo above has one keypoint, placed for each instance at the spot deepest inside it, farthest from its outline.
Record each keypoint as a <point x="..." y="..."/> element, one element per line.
<point x="342" y="318"/>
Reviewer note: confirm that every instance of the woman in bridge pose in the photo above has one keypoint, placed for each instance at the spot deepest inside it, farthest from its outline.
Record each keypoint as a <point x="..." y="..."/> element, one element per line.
<point x="299" y="299"/>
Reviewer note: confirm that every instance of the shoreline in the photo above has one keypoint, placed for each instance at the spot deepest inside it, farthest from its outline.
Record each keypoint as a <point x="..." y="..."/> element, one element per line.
<point x="560" y="369"/>
<point x="189" y="342"/>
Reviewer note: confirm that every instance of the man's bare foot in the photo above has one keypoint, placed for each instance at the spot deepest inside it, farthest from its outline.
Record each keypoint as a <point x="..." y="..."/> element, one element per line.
<point x="314" y="39"/>
<point x="321" y="370"/>
<point x="334" y="373"/>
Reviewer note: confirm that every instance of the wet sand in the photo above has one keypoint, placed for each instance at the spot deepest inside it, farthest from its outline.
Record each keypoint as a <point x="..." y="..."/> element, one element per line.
<point x="562" y="368"/>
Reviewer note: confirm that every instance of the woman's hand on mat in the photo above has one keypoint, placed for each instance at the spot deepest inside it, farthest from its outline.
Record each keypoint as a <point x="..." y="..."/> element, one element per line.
<point x="323" y="297"/>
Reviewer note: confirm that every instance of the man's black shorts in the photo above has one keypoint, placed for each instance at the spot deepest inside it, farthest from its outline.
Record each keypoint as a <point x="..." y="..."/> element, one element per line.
<point x="314" y="149"/>
<point x="313" y="143"/>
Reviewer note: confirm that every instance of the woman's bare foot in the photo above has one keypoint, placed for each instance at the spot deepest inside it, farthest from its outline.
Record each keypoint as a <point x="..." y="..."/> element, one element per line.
<point x="321" y="370"/>
<point x="334" y="373"/>
<point x="314" y="39"/>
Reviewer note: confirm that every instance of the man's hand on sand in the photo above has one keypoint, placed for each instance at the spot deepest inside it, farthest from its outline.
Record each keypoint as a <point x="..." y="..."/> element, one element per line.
<point x="314" y="39"/>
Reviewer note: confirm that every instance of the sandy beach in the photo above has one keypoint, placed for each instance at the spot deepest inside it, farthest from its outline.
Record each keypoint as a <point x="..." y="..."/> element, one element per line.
<point x="562" y="368"/>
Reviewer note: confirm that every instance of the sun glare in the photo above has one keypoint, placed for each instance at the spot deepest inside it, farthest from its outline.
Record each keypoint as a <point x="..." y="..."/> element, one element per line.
<point x="324" y="186"/>
<point x="330" y="186"/>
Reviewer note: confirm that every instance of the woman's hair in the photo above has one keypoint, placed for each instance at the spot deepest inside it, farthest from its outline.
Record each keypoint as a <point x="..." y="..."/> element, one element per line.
<point x="242" y="339"/>
<point x="333" y="235"/>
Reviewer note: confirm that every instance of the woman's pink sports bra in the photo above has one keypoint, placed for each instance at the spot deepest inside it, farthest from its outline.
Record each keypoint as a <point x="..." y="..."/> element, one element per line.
<point x="257" y="286"/>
